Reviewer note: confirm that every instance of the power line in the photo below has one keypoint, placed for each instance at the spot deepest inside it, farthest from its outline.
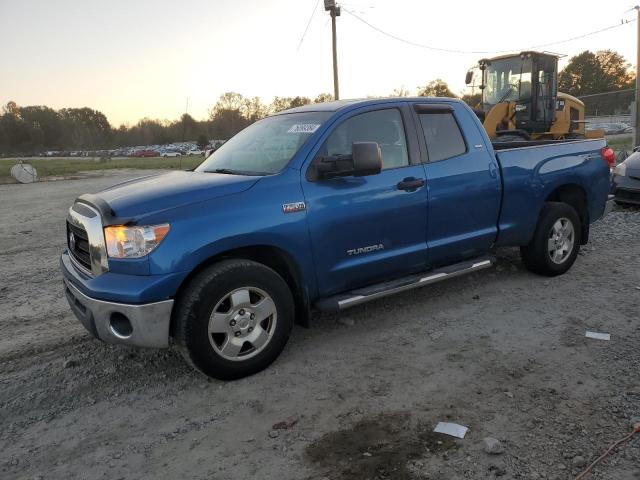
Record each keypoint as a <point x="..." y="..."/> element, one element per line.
<point x="607" y="93"/>
<point x="480" y="52"/>
<point x="308" y="23"/>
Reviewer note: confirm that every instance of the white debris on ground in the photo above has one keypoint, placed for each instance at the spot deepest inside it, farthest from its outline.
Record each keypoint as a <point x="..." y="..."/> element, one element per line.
<point x="452" y="429"/>
<point x="598" y="336"/>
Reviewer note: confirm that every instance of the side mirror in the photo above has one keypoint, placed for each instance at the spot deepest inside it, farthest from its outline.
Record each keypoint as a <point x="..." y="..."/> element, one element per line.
<point x="468" y="78"/>
<point x="367" y="158"/>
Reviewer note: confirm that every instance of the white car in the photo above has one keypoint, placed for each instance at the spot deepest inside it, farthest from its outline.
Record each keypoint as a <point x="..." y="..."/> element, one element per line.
<point x="170" y="154"/>
<point x="195" y="152"/>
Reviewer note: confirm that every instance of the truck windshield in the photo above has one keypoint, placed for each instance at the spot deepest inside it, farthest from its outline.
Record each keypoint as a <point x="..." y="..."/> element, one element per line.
<point x="266" y="146"/>
<point x="507" y="80"/>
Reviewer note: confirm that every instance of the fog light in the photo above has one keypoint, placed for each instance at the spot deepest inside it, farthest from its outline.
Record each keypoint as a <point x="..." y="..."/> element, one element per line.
<point x="120" y="325"/>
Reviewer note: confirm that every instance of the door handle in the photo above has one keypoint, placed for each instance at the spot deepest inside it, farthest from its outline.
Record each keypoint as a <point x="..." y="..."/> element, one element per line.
<point x="410" y="184"/>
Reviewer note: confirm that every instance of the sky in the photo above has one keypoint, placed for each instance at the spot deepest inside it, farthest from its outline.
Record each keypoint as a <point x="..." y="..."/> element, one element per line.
<point x="148" y="58"/>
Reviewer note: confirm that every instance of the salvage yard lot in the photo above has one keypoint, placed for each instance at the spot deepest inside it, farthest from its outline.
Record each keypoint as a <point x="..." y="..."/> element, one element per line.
<point x="61" y="166"/>
<point x="355" y="397"/>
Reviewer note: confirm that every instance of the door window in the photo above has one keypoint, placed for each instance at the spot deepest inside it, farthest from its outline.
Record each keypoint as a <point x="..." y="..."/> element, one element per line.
<point x="384" y="127"/>
<point x="443" y="136"/>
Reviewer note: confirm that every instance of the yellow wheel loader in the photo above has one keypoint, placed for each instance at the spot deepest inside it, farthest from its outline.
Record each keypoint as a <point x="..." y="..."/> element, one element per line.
<point x="520" y="100"/>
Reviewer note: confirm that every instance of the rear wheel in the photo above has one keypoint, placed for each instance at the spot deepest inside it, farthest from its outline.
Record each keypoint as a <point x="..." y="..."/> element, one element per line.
<point x="556" y="241"/>
<point x="234" y="319"/>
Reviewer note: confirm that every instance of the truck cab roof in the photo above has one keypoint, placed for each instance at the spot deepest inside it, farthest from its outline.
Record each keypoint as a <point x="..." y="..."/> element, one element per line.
<point x="336" y="105"/>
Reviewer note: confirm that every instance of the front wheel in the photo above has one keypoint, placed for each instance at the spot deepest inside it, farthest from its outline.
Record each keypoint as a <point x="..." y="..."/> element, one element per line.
<point x="234" y="319"/>
<point x="556" y="241"/>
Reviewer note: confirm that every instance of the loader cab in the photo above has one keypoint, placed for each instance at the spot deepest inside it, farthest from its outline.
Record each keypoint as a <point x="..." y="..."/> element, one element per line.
<point x="529" y="80"/>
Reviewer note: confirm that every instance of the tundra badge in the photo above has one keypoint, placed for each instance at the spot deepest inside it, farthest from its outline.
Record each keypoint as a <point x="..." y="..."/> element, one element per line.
<point x="368" y="249"/>
<point x="293" y="207"/>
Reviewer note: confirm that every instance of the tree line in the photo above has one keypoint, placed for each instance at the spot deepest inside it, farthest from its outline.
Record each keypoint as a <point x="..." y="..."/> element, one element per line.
<point x="32" y="129"/>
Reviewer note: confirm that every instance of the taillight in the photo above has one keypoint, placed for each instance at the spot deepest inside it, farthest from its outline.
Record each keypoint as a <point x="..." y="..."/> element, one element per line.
<point x="609" y="156"/>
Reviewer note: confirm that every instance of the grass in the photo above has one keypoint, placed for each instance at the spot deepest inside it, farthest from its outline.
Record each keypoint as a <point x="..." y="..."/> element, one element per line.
<point x="66" y="166"/>
<point x="621" y="143"/>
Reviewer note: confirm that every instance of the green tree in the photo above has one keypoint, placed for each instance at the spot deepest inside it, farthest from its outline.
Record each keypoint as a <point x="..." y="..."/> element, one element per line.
<point x="323" y="97"/>
<point x="589" y="73"/>
<point x="202" y="141"/>
<point x="253" y="109"/>
<point x="285" y="103"/>
<point x="471" y="99"/>
<point x="45" y="126"/>
<point x="400" y="92"/>
<point x="436" y="88"/>
<point x="226" y="117"/>
<point x="616" y="69"/>
<point x="14" y="131"/>
<point x="85" y="128"/>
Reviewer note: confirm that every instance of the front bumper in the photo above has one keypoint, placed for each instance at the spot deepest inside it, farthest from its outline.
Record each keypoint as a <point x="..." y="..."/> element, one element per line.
<point x="144" y="325"/>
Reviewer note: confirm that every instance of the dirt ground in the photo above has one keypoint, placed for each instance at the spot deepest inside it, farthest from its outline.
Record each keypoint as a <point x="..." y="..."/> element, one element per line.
<point x="356" y="396"/>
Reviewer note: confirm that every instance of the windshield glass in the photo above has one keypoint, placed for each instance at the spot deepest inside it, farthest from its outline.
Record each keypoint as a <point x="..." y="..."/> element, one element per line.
<point x="507" y="80"/>
<point x="266" y="146"/>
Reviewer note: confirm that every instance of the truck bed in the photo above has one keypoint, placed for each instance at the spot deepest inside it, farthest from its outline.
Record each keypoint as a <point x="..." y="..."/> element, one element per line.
<point x="533" y="171"/>
<point x="529" y="143"/>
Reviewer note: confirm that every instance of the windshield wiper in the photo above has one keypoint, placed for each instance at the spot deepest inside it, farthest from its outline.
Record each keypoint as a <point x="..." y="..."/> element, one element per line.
<point x="228" y="171"/>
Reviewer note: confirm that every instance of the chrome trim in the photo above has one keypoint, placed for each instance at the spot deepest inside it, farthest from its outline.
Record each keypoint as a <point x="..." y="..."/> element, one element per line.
<point x="150" y="321"/>
<point x="480" y="264"/>
<point x="436" y="277"/>
<point x="95" y="235"/>
<point x="432" y="277"/>
<point x="116" y="334"/>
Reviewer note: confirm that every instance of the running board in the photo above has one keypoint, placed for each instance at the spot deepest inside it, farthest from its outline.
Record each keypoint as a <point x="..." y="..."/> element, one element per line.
<point x="359" y="296"/>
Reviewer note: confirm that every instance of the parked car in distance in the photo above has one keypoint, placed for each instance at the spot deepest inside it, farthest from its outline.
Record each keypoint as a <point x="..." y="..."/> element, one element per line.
<point x="626" y="128"/>
<point x="626" y="181"/>
<point x="195" y="152"/>
<point x="610" y="128"/>
<point x="170" y="153"/>
<point x="324" y="206"/>
<point x="144" y="153"/>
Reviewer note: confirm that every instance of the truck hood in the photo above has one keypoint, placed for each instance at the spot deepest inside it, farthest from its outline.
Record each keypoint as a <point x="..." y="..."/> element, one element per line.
<point x="155" y="193"/>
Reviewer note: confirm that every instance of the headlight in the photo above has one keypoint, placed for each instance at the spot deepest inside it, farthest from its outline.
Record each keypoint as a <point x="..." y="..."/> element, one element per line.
<point x="134" y="241"/>
<point x="621" y="169"/>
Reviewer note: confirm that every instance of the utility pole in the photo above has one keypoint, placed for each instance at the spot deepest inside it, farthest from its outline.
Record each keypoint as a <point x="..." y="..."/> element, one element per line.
<point x="637" y="115"/>
<point x="184" y="125"/>
<point x="334" y="11"/>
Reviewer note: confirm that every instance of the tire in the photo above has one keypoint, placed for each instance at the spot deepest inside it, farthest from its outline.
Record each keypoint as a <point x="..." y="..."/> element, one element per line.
<point x="549" y="254"/>
<point x="219" y="325"/>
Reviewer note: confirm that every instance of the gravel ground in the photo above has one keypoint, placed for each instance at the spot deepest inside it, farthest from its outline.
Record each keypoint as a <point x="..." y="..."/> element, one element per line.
<point x="354" y="397"/>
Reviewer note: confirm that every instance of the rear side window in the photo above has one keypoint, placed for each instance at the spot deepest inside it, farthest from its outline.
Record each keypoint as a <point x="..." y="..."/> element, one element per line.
<point x="443" y="136"/>
<point x="381" y="126"/>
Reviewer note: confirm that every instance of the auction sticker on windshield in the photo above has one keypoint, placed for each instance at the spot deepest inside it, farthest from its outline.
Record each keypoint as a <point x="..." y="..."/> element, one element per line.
<point x="304" y="128"/>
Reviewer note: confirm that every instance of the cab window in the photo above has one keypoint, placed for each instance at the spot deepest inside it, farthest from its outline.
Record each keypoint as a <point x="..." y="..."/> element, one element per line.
<point x="384" y="127"/>
<point x="442" y="135"/>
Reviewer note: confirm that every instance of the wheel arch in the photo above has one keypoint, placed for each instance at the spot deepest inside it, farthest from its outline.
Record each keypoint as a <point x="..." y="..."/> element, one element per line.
<point x="273" y="257"/>
<point x="576" y="196"/>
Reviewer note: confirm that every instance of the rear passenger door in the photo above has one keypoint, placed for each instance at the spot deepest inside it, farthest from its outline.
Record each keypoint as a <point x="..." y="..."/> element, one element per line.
<point x="463" y="183"/>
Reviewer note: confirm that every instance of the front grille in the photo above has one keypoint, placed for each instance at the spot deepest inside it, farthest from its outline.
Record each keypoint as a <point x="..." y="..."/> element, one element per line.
<point x="78" y="243"/>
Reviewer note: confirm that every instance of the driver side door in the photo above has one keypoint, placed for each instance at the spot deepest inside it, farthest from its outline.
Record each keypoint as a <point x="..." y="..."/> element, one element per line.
<point x="372" y="228"/>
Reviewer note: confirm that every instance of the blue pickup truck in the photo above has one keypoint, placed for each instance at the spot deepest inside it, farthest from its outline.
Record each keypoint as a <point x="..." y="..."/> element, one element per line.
<point x="326" y="206"/>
